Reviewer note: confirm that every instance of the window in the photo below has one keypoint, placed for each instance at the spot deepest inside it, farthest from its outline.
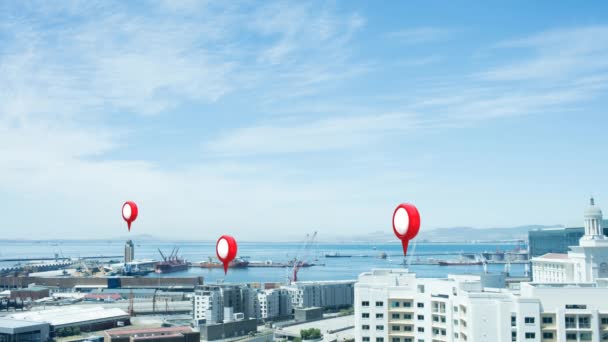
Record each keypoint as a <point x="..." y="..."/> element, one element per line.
<point x="513" y="335"/>
<point x="420" y="305"/>
<point x="604" y="320"/>
<point x="529" y="320"/>
<point x="379" y="315"/>
<point x="548" y="335"/>
<point x="396" y="328"/>
<point x="570" y="322"/>
<point x="379" y="339"/>
<point x="585" y="336"/>
<point x="407" y="304"/>
<point x="571" y="336"/>
<point x="421" y="317"/>
<point x="365" y="338"/>
<point x="365" y="303"/>
<point x="407" y="328"/>
<point x="395" y="339"/>
<point x="365" y="327"/>
<point x="547" y="320"/>
<point x="455" y="309"/>
<point x="365" y="315"/>
<point x="513" y="321"/>
<point x="395" y="304"/>
<point x="420" y="329"/>
<point x="583" y="322"/>
<point x="395" y="316"/>
<point x="379" y="327"/>
<point x="407" y="316"/>
<point x="455" y="322"/>
<point x="421" y="288"/>
<point x="379" y="303"/>
<point x="530" y="335"/>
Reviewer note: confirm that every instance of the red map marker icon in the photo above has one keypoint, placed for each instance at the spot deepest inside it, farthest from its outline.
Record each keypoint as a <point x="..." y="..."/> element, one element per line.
<point x="226" y="249"/>
<point x="406" y="223"/>
<point x="129" y="212"/>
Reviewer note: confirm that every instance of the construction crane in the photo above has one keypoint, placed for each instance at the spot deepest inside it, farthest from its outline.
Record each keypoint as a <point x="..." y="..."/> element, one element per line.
<point x="300" y="260"/>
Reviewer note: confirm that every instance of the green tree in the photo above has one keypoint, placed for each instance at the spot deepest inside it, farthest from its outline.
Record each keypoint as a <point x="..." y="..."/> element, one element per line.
<point x="310" y="334"/>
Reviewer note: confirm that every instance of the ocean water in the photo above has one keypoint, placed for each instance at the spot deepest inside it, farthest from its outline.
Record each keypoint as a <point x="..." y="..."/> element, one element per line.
<point x="365" y="257"/>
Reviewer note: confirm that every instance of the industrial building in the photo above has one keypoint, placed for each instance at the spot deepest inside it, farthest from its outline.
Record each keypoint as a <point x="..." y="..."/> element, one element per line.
<point x="171" y="334"/>
<point x="92" y="318"/>
<point x="230" y="329"/>
<point x="13" y="330"/>
<point x="30" y="293"/>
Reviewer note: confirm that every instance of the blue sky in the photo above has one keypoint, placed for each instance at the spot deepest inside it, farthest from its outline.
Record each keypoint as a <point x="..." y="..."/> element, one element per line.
<point x="268" y="120"/>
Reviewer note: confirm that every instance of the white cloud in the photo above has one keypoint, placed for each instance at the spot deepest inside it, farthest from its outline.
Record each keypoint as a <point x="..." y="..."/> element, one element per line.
<point x="312" y="136"/>
<point x="558" y="54"/>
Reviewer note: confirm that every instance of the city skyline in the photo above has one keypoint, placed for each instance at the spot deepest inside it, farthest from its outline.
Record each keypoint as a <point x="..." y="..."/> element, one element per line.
<point x="272" y="120"/>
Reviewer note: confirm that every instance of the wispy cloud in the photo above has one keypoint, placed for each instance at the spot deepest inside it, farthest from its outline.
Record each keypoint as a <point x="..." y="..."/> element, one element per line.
<point x="557" y="54"/>
<point x="326" y="135"/>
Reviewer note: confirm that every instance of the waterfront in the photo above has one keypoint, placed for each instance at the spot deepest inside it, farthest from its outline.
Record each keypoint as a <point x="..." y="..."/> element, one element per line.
<point x="334" y="268"/>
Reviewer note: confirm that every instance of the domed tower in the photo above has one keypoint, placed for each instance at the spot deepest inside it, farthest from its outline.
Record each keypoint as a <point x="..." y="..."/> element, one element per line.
<point x="593" y="223"/>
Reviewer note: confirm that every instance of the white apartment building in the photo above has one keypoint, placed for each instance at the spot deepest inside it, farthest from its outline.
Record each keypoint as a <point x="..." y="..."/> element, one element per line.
<point x="568" y="301"/>
<point x="208" y="304"/>
<point x="269" y="304"/>
<point x="306" y="294"/>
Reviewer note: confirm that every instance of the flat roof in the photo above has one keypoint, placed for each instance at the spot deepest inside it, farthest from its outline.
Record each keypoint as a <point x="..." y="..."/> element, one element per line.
<point x="71" y="315"/>
<point x="337" y="328"/>
<point x="17" y="323"/>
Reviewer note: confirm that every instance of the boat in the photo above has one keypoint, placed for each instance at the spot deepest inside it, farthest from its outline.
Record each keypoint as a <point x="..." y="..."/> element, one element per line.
<point x="336" y="255"/>
<point x="172" y="263"/>
<point x="236" y="263"/>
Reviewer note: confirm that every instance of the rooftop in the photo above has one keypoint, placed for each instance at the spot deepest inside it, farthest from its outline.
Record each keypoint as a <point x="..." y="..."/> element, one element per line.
<point x="16" y="323"/>
<point x="554" y="256"/>
<point x="333" y="329"/>
<point x="70" y="315"/>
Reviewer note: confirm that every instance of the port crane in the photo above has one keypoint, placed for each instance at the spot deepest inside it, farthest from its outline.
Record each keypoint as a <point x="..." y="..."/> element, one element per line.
<point x="299" y="261"/>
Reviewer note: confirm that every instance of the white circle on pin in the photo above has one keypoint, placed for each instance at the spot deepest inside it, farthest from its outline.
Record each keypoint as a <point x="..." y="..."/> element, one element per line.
<point x="126" y="211"/>
<point x="222" y="248"/>
<point x="401" y="221"/>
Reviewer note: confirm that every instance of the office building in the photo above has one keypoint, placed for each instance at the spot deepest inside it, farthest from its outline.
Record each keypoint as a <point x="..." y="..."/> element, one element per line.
<point x="586" y="262"/>
<point x="13" y="330"/>
<point x="129" y="251"/>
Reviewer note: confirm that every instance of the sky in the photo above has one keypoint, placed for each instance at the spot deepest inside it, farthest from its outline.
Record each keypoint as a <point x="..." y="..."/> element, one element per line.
<point x="269" y="120"/>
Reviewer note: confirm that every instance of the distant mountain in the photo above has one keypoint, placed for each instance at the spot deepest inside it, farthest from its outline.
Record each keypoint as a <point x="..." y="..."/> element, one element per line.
<point x="452" y="234"/>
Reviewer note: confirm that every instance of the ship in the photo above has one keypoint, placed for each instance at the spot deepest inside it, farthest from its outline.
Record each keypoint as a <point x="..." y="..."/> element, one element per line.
<point x="336" y="255"/>
<point x="172" y="263"/>
<point x="459" y="262"/>
<point x="236" y="263"/>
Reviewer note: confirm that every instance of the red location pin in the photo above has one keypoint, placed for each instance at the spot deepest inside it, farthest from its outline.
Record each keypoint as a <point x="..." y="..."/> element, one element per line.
<point x="406" y="223"/>
<point x="226" y="249"/>
<point x="129" y="212"/>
